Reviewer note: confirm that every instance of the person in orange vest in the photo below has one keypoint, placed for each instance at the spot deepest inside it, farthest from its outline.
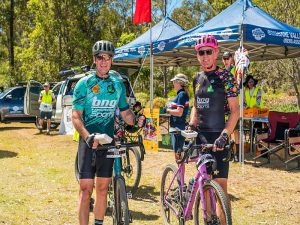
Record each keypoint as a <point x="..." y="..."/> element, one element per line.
<point x="252" y="93"/>
<point x="46" y="100"/>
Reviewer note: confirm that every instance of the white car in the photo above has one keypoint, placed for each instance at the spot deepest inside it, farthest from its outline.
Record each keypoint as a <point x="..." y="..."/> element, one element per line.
<point x="63" y="92"/>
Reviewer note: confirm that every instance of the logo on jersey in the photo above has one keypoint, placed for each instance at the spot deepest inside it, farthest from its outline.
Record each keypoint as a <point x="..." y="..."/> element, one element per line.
<point x="108" y="104"/>
<point x="202" y="103"/>
<point x="96" y="89"/>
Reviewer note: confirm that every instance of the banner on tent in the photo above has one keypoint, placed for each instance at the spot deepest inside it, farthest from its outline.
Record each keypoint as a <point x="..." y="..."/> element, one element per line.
<point x="151" y="131"/>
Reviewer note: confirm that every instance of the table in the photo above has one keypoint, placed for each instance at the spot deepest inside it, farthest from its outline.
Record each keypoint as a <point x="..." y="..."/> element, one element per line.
<point x="253" y="121"/>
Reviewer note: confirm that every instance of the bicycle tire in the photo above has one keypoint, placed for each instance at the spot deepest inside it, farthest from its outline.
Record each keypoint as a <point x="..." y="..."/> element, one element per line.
<point x="132" y="169"/>
<point x="166" y="211"/>
<point x="220" y="194"/>
<point x="121" y="204"/>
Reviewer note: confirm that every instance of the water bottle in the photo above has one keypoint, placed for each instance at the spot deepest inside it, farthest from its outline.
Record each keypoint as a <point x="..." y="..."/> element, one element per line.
<point x="189" y="189"/>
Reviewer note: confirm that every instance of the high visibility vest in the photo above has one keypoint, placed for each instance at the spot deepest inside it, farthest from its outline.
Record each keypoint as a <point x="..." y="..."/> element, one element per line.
<point x="76" y="136"/>
<point x="251" y="100"/>
<point x="46" y="98"/>
<point x="232" y="70"/>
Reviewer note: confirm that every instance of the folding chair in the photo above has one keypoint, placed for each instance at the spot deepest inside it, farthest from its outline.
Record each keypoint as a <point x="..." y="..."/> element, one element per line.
<point x="279" y="124"/>
<point x="292" y="146"/>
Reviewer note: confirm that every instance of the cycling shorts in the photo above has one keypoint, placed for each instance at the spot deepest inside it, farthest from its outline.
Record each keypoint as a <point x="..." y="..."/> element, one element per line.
<point x="46" y="115"/>
<point x="102" y="168"/>
<point x="222" y="167"/>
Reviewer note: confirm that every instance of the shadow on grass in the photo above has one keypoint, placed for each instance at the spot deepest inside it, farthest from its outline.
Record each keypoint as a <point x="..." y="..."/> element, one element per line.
<point x="146" y="194"/>
<point x="233" y="198"/>
<point x="141" y="216"/>
<point x="13" y="128"/>
<point x="7" y="154"/>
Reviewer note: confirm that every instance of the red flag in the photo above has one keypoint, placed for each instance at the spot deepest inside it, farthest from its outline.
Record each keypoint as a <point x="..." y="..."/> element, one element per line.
<point x="142" y="11"/>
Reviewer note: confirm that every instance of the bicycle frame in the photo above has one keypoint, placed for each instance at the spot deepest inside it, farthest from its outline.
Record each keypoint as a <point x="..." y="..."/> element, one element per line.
<point x="200" y="178"/>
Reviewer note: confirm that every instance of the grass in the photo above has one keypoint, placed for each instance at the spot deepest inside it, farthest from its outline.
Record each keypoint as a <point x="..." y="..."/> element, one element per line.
<point x="38" y="185"/>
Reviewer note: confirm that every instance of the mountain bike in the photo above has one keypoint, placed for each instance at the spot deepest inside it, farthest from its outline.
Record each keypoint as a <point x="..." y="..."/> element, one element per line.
<point x="132" y="162"/>
<point x="205" y="194"/>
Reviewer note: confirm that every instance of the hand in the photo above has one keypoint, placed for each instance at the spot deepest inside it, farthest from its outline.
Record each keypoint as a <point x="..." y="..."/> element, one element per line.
<point x="221" y="141"/>
<point x="141" y="120"/>
<point x="90" y="140"/>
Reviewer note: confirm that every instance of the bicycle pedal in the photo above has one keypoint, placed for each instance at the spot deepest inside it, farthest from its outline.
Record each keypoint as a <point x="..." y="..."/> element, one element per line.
<point x="129" y="195"/>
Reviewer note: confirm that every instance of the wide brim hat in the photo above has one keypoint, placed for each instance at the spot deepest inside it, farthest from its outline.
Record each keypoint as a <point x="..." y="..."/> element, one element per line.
<point x="250" y="77"/>
<point x="46" y="84"/>
<point x="180" y="77"/>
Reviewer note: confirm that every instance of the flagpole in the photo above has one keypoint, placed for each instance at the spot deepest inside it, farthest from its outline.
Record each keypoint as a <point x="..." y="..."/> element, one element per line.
<point x="151" y="70"/>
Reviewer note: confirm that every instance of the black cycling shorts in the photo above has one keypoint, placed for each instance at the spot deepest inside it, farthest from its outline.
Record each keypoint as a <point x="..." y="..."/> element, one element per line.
<point x="222" y="167"/>
<point x="46" y="115"/>
<point x="103" y="166"/>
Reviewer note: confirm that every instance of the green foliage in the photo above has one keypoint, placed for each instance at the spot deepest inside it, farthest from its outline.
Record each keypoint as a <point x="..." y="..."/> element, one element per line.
<point x="281" y="102"/>
<point x="157" y="102"/>
<point x="142" y="97"/>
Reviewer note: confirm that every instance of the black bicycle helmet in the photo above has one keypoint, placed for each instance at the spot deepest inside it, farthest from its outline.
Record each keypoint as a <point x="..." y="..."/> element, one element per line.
<point x="104" y="47"/>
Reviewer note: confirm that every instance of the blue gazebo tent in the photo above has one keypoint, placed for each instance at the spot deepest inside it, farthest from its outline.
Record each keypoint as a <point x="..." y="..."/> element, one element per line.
<point x="265" y="37"/>
<point x="134" y="52"/>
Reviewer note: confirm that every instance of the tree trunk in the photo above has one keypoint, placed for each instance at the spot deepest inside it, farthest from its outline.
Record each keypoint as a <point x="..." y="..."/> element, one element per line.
<point x="11" y="41"/>
<point x="165" y="82"/>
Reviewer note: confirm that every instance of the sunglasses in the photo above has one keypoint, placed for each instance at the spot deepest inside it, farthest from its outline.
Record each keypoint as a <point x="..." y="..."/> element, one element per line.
<point x="251" y="82"/>
<point x="205" y="52"/>
<point x="103" y="57"/>
<point x="226" y="58"/>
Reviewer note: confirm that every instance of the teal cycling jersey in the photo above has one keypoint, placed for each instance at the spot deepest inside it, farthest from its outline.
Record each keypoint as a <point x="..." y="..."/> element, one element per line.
<point x="98" y="99"/>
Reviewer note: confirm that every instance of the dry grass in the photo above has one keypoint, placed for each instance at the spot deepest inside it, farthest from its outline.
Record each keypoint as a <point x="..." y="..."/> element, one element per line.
<point x="38" y="184"/>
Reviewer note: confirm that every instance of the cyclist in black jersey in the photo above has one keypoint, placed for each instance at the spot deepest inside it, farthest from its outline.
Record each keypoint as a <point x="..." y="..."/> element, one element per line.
<point x="215" y="92"/>
<point x="95" y="100"/>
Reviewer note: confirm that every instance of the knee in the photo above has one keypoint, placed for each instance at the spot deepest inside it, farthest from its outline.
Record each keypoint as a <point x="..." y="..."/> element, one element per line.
<point x="86" y="193"/>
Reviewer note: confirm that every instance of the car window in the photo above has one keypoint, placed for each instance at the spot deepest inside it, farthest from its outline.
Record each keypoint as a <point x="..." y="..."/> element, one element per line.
<point x="56" y="88"/>
<point x="18" y="93"/>
<point x="71" y="86"/>
<point x="35" y="89"/>
<point x="2" y="94"/>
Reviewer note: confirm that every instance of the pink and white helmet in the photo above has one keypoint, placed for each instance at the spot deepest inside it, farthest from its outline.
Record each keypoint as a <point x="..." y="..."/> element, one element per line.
<point x="206" y="40"/>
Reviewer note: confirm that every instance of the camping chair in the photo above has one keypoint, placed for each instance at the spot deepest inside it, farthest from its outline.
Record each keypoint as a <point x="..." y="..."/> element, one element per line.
<point x="276" y="140"/>
<point x="292" y="146"/>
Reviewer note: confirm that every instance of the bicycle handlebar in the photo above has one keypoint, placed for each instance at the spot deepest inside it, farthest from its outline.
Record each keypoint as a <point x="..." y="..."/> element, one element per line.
<point x="205" y="148"/>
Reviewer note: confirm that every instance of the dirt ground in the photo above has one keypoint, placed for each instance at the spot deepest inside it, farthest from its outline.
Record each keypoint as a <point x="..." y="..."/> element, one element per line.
<point x="38" y="185"/>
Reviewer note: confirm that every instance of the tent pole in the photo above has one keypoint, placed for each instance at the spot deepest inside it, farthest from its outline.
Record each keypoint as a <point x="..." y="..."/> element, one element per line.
<point x="151" y="71"/>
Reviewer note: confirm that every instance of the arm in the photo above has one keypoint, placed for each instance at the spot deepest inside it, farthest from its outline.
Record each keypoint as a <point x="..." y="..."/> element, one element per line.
<point x="193" y="116"/>
<point x="175" y="112"/>
<point x="234" y="115"/>
<point x="78" y="123"/>
<point x="53" y="99"/>
<point x="128" y="116"/>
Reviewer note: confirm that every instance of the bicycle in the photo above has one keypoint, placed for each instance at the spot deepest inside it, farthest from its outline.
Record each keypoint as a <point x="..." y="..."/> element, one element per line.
<point x="132" y="162"/>
<point x="179" y="199"/>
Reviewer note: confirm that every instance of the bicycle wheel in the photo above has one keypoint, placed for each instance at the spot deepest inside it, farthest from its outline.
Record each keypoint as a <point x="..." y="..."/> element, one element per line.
<point x="173" y="198"/>
<point x="132" y="169"/>
<point x="121" y="212"/>
<point x="212" y="193"/>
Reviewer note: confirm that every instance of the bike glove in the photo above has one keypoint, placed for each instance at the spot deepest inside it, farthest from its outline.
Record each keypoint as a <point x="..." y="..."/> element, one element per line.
<point x="221" y="141"/>
<point x="90" y="140"/>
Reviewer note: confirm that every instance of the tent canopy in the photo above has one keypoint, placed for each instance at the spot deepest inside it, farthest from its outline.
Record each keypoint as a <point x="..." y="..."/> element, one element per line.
<point x="265" y="37"/>
<point x="140" y="47"/>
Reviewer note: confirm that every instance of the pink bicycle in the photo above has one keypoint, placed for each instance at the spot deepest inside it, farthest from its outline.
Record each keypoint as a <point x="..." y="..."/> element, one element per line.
<point x="177" y="199"/>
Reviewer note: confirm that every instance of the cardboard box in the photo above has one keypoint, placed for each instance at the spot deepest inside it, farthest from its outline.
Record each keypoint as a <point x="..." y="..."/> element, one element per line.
<point x="255" y="112"/>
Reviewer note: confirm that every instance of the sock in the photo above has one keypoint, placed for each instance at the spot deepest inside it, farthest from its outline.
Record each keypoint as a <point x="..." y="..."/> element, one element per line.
<point x="98" y="222"/>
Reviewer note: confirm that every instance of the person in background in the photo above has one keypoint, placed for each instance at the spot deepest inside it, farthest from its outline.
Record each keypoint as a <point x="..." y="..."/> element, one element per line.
<point x="252" y="93"/>
<point x="46" y="100"/>
<point x="228" y="62"/>
<point x="178" y="111"/>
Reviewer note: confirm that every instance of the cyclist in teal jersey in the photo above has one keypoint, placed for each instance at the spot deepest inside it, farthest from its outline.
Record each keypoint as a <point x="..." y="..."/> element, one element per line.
<point x="95" y="100"/>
